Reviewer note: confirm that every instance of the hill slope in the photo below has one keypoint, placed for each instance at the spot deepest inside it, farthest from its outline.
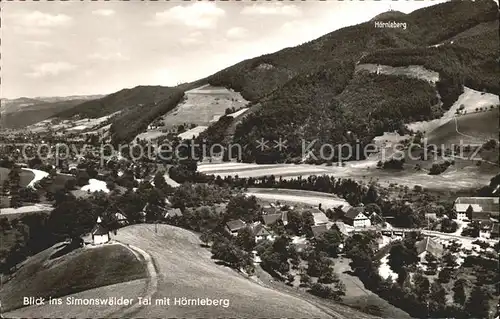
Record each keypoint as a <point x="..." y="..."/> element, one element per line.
<point x="45" y="274"/>
<point x="186" y="269"/>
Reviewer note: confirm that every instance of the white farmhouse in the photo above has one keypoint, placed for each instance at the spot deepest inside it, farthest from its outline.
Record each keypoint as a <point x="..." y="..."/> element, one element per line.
<point x="356" y="217"/>
<point x="100" y="234"/>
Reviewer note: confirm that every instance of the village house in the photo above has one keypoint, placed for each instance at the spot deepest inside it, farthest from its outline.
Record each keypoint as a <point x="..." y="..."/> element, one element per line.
<point x="260" y="232"/>
<point x="429" y="245"/>
<point x="320" y="218"/>
<point x="100" y="234"/>
<point x="173" y="212"/>
<point x="356" y="217"/>
<point x="121" y="219"/>
<point x="318" y="230"/>
<point x="234" y="226"/>
<point x="270" y="219"/>
<point x="481" y="208"/>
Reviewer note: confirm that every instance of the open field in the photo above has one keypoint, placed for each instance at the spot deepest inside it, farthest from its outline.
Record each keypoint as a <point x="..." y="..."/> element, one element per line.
<point x="186" y="269"/>
<point x="475" y="128"/>
<point x="194" y="132"/>
<point x="17" y="212"/>
<point x="470" y="99"/>
<point x="412" y="71"/>
<point x="297" y="196"/>
<point x="46" y="274"/>
<point x="70" y="125"/>
<point x="203" y="104"/>
<point x="463" y="177"/>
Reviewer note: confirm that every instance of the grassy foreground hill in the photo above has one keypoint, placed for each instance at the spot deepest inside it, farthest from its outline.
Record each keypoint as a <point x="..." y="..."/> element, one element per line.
<point x="49" y="275"/>
<point x="186" y="269"/>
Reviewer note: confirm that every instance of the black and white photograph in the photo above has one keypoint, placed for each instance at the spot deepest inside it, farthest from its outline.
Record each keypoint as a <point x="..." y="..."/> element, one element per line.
<point x="249" y="159"/>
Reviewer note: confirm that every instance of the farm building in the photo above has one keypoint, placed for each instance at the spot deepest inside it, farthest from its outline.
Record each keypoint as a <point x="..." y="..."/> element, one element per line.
<point x="273" y="218"/>
<point x="234" y="226"/>
<point x="100" y="234"/>
<point x="356" y="217"/>
<point x="260" y="232"/>
<point x="121" y="219"/>
<point x="429" y="245"/>
<point x="480" y="208"/>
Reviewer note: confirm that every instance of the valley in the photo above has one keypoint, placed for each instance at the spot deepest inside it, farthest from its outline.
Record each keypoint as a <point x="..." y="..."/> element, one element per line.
<point x="353" y="174"/>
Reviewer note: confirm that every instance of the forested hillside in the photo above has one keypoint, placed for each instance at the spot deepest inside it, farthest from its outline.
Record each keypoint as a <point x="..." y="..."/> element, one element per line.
<point x="310" y="91"/>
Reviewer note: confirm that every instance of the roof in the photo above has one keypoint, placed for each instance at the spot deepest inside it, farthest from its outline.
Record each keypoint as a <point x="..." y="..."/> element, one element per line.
<point x="273" y="218"/>
<point x="320" y="218"/>
<point x="429" y="245"/>
<point x="482" y="204"/>
<point x="353" y="212"/>
<point x="99" y="230"/>
<point x="173" y="212"/>
<point x="120" y="216"/>
<point x="235" y="225"/>
<point x="260" y="230"/>
<point x="319" y="229"/>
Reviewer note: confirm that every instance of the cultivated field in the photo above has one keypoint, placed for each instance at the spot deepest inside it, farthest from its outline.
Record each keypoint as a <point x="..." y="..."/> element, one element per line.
<point x="464" y="177"/>
<point x="475" y="128"/>
<point x="297" y="196"/>
<point x="411" y="71"/>
<point x="48" y="274"/>
<point x="17" y="212"/>
<point x="192" y="133"/>
<point x="470" y="99"/>
<point x="203" y="104"/>
<point x="187" y="270"/>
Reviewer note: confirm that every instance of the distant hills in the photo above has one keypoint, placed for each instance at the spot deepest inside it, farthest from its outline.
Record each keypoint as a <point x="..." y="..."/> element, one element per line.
<point x="21" y="112"/>
<point x="312" y="90"/>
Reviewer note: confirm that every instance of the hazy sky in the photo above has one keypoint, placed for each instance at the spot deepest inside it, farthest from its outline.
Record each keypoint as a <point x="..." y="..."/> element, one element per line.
<point x="71" y="48"/>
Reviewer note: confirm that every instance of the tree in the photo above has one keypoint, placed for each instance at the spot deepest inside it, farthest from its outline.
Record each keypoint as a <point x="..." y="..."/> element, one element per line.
<point x="82" y="178"/>
<point x="329" y="241"/>
<point x="477" y="305"/>
<point x="449" y="260"/>
<point x="246" y="239"/>
<point x="400" y="256"/>
<point x="437" y="300"/>
<point x="459" y="296"/>
<point x="431" y="261"/>
<point x="422" y="287"/>
<point x="328" y="292"/>
<point x="159" y="181"/>
<point x="469" y="212"/>
<point x="305" y="280"/>
<point x="444" y="275"/>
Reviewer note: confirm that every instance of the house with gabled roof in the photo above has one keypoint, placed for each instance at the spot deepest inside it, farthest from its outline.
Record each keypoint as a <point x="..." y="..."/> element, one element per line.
<point x="100" y="234"/>
<point x="429" y="245"/>
<point x="481" y="208"/>
<point x="121" y="219"/>
<point x="234" y="226"/>
<point x="260" y="232"/>
<point x="356" y="217"/>
<point x="270" y="219"/>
